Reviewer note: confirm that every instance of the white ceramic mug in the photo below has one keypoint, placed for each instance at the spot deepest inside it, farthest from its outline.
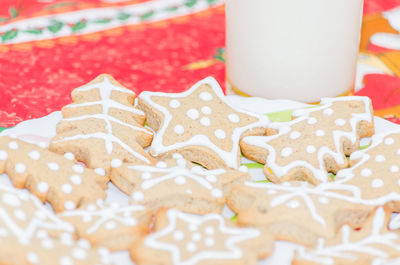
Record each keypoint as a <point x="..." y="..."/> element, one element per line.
<point x="295" y="49"/>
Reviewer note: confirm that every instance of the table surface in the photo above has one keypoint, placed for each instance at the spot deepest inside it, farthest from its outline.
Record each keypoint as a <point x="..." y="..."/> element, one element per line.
<point x="47" y="48"/>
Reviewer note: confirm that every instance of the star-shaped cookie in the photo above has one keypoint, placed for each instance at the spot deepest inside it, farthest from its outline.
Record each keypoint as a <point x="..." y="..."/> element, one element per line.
<point x="200" y="124"/>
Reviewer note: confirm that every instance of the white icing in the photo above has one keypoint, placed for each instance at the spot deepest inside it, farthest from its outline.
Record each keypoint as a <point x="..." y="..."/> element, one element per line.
<point x="312" y="120"/>
<point x="287" y="151"/>
<point x="394" y="169"/>
<point x="13" y="145"/>
<point x="340" y="122"/>
<point x="389" y="141"/>
<point x="20" y="214"/>
<point x="209" y="242"/>
<point x="179" y="129"/>
<point x="220" y="134"/>
<point x="205" y="96"/>
<point x="100" y="171"/>
<point x="174" y="104"/>
<point x="66" y="188"/>
<point x="193" y="114"/>
<point x="76" y="179"/>
<point x="294" y="135"/>
<point x="293" y="204"/>
<point x="78" y="168"/>
<point x="311" y="149"/>
<point x="11" y="199"/>
<point x="233" y="117"/>
<point x="178" y="235"/>
<point x="205" y="121"/>
<point x="32" y="257"/>
<point x="323" y="200"/>
<point x="3" y="155"/>
<point x="206" y="110"/>
<point x="34" y="155"/>
<point x="53" y="166"/>
<point x="146" y="175"/>
<point x="328" y="112"/>
<point x="43" y="187"/>
<point x="138" y="196"/>
<point x="380" y="158"/>
<point x="377" y="183"/>
<point x="366" y="172"/>
<point x="69" y="205"/>
<point x="320" y="133"/>
<point x="161" y="164"/>
<point x="115" y="163"/>
<point x="180" y="180"/>
<point x="20" y="168"/>
<point x="69" y="156"/>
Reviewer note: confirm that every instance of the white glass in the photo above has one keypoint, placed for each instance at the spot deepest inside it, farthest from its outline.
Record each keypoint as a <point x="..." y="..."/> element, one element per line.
<point x="296" y="49"/>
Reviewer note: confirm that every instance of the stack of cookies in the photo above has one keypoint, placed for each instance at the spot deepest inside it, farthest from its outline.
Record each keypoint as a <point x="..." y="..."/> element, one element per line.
<point x="178" y="157"/>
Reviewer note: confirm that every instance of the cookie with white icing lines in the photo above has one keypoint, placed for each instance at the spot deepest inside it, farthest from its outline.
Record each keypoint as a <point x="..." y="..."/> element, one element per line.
<point x="181" y="238"/>
<point x="52" y="177"/>
<point x="177" y="183"/>
<point x="371" y="245"/>
<point x="200" y="124"/>
<point x="31" y="234"/>
<point x="109" y="225"/>
<point x="102" y="127"/>
<point x="296" y="211"/>
<point x="315" y="143"/>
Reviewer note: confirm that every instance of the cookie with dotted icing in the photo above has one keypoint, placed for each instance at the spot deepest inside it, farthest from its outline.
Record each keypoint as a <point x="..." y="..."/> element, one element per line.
<point x="200" y="124"/>
<point x="296" y="211"/>
<point x="372" y="245"/>
<point x="31" y="234"/>
<point x="177" y="183"/>
<point x="110" y="225"/>
<point x="51" y="177"/>
<point x="102" y="127"/>
<point x="181" y="238"/>
<point x="315" y="142"/>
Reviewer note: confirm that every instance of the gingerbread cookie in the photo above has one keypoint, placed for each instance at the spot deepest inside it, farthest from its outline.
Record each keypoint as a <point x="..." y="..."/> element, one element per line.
<point x="111" y="226"/>
<point x="177" y="183"/>
<point x="181" y="238"/>
<point x="102" y="126"/>
<point x="314" y="143"/>
<point x="372" y="245"/>
<point x="200" y="124"/>
<point x="30" y="234"/>
<point x="296" y="211"/>
<point x="52" y="177"/>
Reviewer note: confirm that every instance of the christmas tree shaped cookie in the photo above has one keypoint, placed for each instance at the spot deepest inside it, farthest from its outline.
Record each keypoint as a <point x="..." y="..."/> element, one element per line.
<point x="200" y="124"/>
<point x="314" y="143"/>
<point x="102" y="127"/>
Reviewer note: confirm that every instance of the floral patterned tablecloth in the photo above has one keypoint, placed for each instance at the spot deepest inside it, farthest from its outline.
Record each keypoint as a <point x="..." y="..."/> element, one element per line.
<point x="49" y="47"/>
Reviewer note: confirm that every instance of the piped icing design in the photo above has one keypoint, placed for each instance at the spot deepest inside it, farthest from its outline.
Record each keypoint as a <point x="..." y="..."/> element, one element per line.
<point x="181" y="238"/>
<point x="371" y="245"/>
<point x="51" y="177"/>
<point x="102" y="124"/>
<point x="112" y="225"/>
<point x="176" y="183"/>
<point x="200" y="124"/>
<point x="31" y="234"/>
<point x="315" y="142"/>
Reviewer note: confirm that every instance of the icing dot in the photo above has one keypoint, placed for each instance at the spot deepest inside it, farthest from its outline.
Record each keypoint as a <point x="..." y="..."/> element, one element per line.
<point x="67" y="239"/>
<point x="272" y="192"/>
<point x="234" y="118"/>
<point x="3" y="155"/>
<point x="220" y="134"/>
<point x="35" y="155"/>
<point x="319" y="133"/>
<point x="146" y="175"/>
<point x="293" y="204"/>
<point x="76" y="179"/>
<point x="389" y="141"/>
<point x="294" y="135"/>
<point x="193" y="227"/>
<point x="91" y="207"/>
<point x="20" y="214"/>
<point x="366" y="172"/>
<point x="377" y="183"/>
<point x="110" y="225"/>
<point x="193" y="114"/>
<point x="13" y="145"/>
<point x="3" y="232"/>
<point x="189" y="191"/>
<point x="178" y="129"/>
<point x="53" y="166"/>
<point x="328" y="111"/>
<point x="196" y="237"/>
<point x="191" y="247"/>
<point x="180" y="180"/>
<point x="205" y="121"/>
<point x="11" y="199"/>
<point x="43" y="187"/>
<point x="69" y="156"/>
<point x="66" y="188"/>
<point x="181" y="162"/>
<point x="47" y="243"/>
<point x="210" y="230"/>
<point x="340" y="122"/>
<point x="380" y="158"/>
<point x="79" y="253"/>
<point x="83" y="243"/>
<point x="32" y="257"/>
<point x="209" y="242"/>
<point x="115" y="163"/>
<point x="312" y="120"/>
<point x="216" y="193"/>
<point x="174" y="104"/>
<point x="100" y="172"/>
<point x="41" y="234"/>
<point x="161" y="164"/>
<point x="398" y="182"/>
<point x="20" y="168"/>
<point x="323" y="200"/>
<point x="311" y="149"/>
<point x="66" y="261"/>
<point x="69" y="205"/>
<point x="394" y="169"/>
<point x="398" y="151"/>
<point x="87" y="218"/>
<point x="205" y="96"/>
<point x="211" y="178"/>
<point x="287" y="151"/>
<point x="178" y="235"/>
<point x="42" y="145"/>
<point x="78" y="168"/>
<point x="206" y="110"/>
<point x="138" y="196"/>
<point x="177" y="156"/>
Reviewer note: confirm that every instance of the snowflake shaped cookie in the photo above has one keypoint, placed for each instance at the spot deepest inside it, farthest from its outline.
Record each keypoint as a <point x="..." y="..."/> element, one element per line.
<point x="110" y="225"/>
<point x="181" y="238"/>
<point x="314" y="143"/>
<point x="177" y="183"/>
<point x="102" y="126"/>
<point x="200" y="124"/>
<point x="52" y="177"/>
<point x="372" y="245"/>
